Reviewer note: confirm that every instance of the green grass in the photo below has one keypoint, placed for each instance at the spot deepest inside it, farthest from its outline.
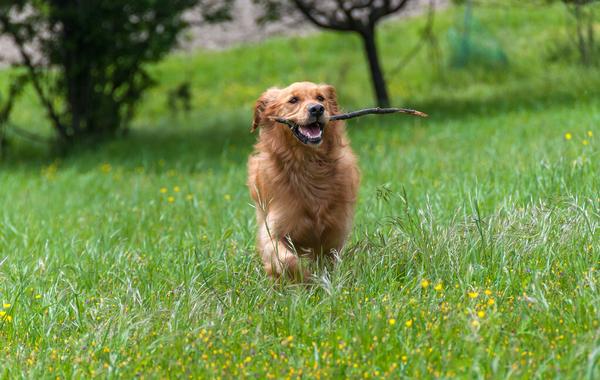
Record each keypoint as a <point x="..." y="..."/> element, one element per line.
<point x="137" y="258"/>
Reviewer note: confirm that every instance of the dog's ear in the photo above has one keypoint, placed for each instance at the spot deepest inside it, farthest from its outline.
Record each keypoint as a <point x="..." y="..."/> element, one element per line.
<point x="331" y="97"/>
<point x="261" y="105"/>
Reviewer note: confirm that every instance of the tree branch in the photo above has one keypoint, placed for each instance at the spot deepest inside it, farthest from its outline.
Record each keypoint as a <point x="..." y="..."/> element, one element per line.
<point x="33" y="75"/>
<point x="311" y="13"/>
<point x="399" y="6"/>
<point x="348" y="12"/>
<point x="385" y="9"/>
<point x="28" y="135"/>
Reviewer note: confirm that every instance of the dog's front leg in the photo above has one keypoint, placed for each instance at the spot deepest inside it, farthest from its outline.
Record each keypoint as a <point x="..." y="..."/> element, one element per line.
<point x="278" y="259"/>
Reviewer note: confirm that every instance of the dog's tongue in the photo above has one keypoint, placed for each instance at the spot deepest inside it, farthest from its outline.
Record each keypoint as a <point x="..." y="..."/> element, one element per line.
<point x="312" y="130"/>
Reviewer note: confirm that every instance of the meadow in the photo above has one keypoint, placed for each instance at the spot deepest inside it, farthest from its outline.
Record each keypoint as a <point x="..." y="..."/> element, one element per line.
<point x="475" y="251"/>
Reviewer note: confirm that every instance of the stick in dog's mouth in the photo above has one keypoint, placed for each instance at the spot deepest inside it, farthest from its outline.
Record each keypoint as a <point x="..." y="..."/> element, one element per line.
<point x="363" y="112"/>
<point x="309" y="134"/>
<point x="377" y="111"/>
<point x="313" y="133"/>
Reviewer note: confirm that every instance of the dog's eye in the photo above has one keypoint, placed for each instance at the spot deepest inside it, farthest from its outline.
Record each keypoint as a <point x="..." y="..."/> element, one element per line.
<point x="293" y="100"/>
<point x="320" y="98"/>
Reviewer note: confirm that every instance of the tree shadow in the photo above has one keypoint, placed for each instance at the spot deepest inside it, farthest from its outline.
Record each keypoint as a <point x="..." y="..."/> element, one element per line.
<point x="203" y="141"/>
<point x="170" y="144"/>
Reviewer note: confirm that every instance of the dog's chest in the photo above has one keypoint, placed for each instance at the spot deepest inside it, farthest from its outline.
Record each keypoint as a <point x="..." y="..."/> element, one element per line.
<point x="315" y="209"/>
<point x="308" y="226"/>
<point x="310" y="201"/>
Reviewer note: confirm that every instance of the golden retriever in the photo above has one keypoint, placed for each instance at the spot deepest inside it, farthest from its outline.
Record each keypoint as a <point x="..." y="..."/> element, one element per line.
<point x="303" y="178"/>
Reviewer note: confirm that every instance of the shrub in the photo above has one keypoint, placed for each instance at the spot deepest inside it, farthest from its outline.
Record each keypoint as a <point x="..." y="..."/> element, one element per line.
<point x="88" y="70"/>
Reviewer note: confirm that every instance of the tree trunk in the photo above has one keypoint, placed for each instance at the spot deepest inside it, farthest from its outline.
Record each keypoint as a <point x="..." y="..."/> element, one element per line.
<point x="379" y="85"/>
<point x="583" y="51"/>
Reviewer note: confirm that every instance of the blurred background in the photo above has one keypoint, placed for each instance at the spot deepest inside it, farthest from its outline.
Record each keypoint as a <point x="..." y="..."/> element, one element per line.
<point x="75" y="75"/>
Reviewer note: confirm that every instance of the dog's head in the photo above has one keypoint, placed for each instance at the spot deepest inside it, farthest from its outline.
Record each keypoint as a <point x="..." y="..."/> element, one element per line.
<point x="305" y="106"/>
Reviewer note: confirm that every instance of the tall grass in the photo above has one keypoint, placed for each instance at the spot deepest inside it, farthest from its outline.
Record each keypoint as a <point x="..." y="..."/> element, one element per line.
<point x="475" y="251"/>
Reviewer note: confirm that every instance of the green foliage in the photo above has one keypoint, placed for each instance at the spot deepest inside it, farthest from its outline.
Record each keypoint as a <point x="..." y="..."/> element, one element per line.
<point x="179" y="98"/>
<point x="6" y="107"/>
<point x="97" y="51"/>
<point x="582" y="35"/>
<point x="215" y="11"/>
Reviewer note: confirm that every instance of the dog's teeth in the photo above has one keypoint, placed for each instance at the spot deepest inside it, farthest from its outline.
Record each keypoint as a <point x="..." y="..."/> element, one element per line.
<point x="311" y="132"/>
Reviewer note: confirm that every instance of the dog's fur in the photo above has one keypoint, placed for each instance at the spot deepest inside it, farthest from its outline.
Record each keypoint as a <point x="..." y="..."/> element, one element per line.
<point x="304" y="193"/>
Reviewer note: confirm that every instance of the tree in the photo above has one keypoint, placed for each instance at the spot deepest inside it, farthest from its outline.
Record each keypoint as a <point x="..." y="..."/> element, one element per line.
<point x="583" y="12"/>
<point x="584" y="36"/>
<point x="358" y="16"/>
<point x="90" y="73"/>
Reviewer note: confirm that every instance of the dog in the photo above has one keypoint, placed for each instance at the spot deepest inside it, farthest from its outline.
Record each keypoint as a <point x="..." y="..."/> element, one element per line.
<point x="303" y="178"/>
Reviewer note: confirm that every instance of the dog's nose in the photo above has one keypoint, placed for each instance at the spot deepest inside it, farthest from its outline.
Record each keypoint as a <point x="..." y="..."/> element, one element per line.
<point x="316" y="110"/>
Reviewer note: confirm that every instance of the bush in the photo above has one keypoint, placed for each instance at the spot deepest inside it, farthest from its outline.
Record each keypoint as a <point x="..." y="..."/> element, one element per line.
<point x="90" y="72"/>
<point x="582" y="39"/>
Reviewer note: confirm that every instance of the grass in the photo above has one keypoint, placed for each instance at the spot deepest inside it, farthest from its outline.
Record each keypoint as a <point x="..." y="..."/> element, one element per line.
<point x="475" y="251"/>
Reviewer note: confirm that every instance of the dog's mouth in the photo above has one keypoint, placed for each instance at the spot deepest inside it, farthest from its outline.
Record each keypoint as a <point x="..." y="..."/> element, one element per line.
<point x="309" y="134"/>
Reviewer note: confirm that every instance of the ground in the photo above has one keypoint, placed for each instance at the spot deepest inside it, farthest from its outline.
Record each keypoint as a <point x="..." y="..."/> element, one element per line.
<point x="475" y="251"/>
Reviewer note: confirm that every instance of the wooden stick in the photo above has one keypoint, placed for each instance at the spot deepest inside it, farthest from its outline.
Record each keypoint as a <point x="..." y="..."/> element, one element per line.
<point x="287" y="122"/>
<point x="377" y="111"/>
<point x="351" y="115"/>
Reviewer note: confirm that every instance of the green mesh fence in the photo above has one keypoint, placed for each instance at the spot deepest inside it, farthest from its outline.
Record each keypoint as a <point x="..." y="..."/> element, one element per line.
<point x="471" y="44"/>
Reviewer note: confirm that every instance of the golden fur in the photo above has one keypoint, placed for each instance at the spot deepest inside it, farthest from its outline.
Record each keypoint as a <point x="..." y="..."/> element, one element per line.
<point x="304" y="194"/>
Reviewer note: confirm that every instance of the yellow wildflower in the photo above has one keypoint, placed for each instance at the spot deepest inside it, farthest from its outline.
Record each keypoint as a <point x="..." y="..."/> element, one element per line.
<point x="227" y="197"/>
<point x="392" y="321"/>
<point x="475" y="323"/>
<point x="6" y="305"/>
<point x="171" y="199"/>
<point x="438" y="287"/>
<point x="491" y="301"/>
<point x="568" y="136"/>
<point x="409" y="323"/>
<point x="473" y="295"/>
<point x="585" y="142"/>
<point x="424" y="284"/>
<point x="176" y="189"/>
<point x="481" y="313"/>
<point x="163" y="190"/>
<point x="590" y="134"/>
<point x="488" y="292"/>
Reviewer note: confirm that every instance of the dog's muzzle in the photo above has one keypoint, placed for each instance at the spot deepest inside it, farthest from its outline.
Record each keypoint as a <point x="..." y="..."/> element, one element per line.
<point x="310" y="133"/>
